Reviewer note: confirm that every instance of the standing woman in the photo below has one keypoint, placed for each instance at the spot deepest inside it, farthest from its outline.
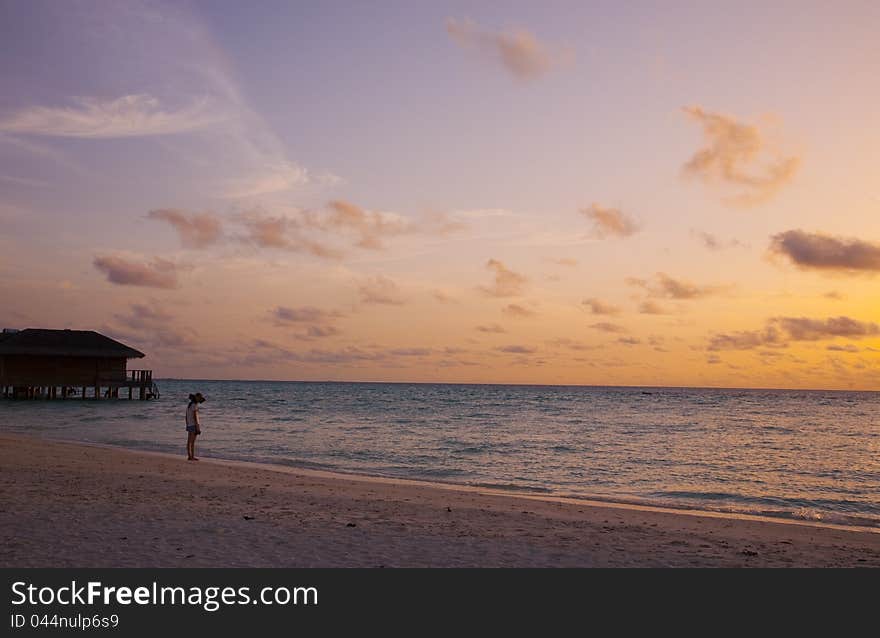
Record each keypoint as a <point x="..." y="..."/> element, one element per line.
<point x="193" y="426"/>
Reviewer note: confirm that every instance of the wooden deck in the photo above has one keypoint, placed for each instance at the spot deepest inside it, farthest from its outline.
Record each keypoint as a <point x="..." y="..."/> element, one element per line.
<point x="139" y="384"/>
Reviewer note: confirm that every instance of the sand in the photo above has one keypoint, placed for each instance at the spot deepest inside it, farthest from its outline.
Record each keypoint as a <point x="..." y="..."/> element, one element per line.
<point x="71" y="505"/>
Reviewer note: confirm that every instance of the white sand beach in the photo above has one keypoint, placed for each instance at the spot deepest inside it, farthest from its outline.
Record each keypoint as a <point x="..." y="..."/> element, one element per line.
<point x="71" y="505"/>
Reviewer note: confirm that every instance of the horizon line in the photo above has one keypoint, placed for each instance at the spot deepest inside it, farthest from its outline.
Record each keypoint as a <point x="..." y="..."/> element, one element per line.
<point x="538" y="385"/>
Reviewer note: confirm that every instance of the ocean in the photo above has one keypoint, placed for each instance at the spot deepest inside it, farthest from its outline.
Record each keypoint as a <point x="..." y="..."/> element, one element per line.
<point x="811" y="455"/>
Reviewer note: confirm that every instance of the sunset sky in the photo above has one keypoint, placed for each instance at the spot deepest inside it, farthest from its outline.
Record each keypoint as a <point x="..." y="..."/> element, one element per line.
<point x="676" y="193"/>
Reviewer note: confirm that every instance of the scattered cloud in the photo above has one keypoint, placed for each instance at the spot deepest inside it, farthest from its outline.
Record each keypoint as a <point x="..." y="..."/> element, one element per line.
<point x="283" y="315"/>
<point x="515" y="310"/>
<point x="196" y="230"/>
<point x="713" y="359"/>
<point x="599" y="307"/>
<point x="610" y="222"/>
<point x="127" y="116"/>
<point x="834" y="295"/>
<point x="491" y="328"/>
<point x="517" y="50"/>
<point x="160" y="273"/>
<point x="516" y="349"/>
<point x="713" y="242"/>
<point x="804" y="329"/>
<point x="380" y="290"/>
<point x="844" y="348"/>
<point x="651" y="307"/>
<point x="570" y="344"/>
<point x="262" y="352"/>
<point x="149" y="324"/>
<point x="411" y="352"/>
<point x="668" y="287"/>
<point x="142" y="316"/>
<point x="605" y="326"/>
<point x="319" y="319"/>
<point x="321" y="232"/>
<point x="370" y="226"/>
<point x="748" y="339"/>
<point x="732" y="155"/>
<point x="507" y="282"/>
<point x="817" y="251"/>
<point x="318" y="331"/>
<point x="283" y="233"/>
<point x="629" y="341"/>
<point x="778" y="331"/>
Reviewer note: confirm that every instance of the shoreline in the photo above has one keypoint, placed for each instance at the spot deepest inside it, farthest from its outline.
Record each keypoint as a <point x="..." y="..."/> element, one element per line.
<point x="512" y="492"/>
<point x="123" y="507"/>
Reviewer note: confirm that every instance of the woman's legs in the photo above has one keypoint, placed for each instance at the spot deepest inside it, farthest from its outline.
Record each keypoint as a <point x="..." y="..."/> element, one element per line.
<point x="190" y="445"/>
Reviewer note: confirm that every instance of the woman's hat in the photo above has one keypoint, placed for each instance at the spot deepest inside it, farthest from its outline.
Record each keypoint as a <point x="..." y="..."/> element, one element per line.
<point x="199" y="397"/>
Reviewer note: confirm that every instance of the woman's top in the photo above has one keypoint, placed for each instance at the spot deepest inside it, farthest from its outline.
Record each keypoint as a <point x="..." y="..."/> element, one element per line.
<point x="192" y="415"/>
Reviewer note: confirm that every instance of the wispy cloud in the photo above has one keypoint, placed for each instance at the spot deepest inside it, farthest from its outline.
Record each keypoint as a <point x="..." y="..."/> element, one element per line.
<point x="817" y="251"/>
<point x="570" y="344"/>
<point x="844" y="348"/>
<point x="517" y="349"/>
<point x="304" y="314"/>
<point x="410" y="352"/>
<point x="127" y="116"/>
<point x="273" y="176"/>
<point x="320" y="320"/>
<point x="319" y="331"/>
<point x="651" y="307"/>
<point x="381" y="290"/>
<point x="507" y="282"/>
<point x="517" y="311"/>
<point x="733" y="155"/>
<point x="713" y="242"/>
<point x="151" y="325"/>
<point x="668" y="287"/>
<point x="491" y="328"/>
<point x="518" y="51"/>
<point x="196" y="230"/>
<point x="599" y="307"/>
<point x="160" y="273"/>
<point x="24" y="181"/>
<point x="610" y="222"/>
<point x="606" y="326"/>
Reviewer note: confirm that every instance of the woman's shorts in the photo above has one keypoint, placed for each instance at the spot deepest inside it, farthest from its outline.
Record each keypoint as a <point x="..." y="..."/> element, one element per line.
<point x="191" y="428"/>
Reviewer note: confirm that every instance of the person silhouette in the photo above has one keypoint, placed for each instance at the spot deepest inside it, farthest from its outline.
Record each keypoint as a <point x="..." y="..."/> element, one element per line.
<point x="193" y="425"/>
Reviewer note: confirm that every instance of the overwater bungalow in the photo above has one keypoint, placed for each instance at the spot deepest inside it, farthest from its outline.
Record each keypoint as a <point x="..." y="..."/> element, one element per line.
<point x="64" y="364"/>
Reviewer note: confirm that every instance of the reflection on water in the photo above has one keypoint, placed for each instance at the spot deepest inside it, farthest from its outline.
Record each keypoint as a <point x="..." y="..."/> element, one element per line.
<point x="813" y="455"/>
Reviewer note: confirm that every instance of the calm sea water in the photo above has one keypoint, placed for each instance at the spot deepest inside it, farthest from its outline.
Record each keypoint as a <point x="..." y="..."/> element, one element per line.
<point x="801" y="454"/>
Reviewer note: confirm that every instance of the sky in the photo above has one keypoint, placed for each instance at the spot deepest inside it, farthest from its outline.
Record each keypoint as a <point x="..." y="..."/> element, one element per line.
<point x="671" y="194"/>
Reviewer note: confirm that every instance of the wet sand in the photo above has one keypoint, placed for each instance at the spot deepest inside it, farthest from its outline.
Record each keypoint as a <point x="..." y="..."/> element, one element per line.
<point x="70" y="505"/>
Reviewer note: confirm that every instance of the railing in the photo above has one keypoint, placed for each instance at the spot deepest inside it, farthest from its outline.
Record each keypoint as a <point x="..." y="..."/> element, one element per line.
<point x="141" y="376"/>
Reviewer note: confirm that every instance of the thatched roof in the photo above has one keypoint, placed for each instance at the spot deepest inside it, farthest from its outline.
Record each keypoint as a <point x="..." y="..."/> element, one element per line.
<point x="64" y="343"/>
